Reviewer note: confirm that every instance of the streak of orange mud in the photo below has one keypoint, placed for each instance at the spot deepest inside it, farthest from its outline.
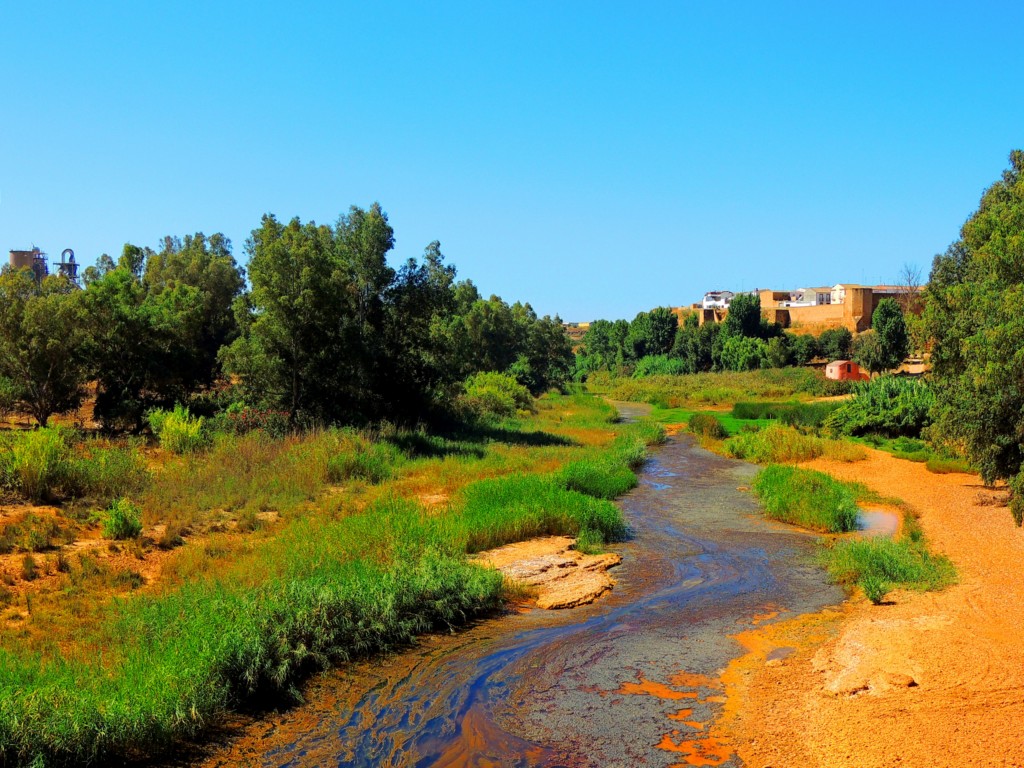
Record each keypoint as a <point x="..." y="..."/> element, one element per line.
<point x="704" y="750"/>
<point x="484" y="745"/>
<point x="927" y="679"/>
<point x="657" y="690"/>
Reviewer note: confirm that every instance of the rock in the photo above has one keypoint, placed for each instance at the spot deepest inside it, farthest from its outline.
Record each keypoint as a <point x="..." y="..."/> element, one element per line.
<point x="560" y="576"/>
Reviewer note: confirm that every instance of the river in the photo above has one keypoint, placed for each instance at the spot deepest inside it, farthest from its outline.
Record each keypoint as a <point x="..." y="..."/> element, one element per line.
<point x="630" y="680"/>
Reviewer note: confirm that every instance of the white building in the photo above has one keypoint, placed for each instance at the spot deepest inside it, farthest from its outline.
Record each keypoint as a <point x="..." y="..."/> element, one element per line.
<point x="717" y="299"/>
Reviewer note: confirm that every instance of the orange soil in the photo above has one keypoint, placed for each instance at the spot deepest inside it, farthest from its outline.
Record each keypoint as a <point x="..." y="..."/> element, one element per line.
<point x="928" y="679"/>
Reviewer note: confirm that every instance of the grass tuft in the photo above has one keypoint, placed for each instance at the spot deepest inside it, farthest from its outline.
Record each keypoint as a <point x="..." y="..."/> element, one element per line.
<point x="806" y="498"/>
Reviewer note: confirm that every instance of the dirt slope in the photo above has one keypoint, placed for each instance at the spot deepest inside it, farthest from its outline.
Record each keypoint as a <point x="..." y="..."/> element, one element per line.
<point x="928" y="680"/>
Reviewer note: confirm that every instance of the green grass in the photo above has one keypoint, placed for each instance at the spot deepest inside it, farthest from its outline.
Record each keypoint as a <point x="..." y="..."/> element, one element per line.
<point x="809" y="415"/>
<point x="912" y="449"/>
<point x="324" y="588"/>
<point x="780" y="443"/>
<point x="715" y="388"/>
<point x="730" y="423"/>
<point x="880" y="564"/>
<point x="806" y="498"/>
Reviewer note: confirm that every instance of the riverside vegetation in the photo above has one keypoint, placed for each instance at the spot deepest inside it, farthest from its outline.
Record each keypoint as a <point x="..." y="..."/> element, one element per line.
<point x="276" y="475"/>
<point x="783" y="427"/>
<point x="360" y="557"/>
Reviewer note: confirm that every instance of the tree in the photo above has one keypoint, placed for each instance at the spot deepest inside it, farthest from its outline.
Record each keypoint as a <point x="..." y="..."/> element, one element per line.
<point x="778" y="353"/>
<point x="805" y="348"/>
<point x="744" y="317"/>
<point x="42" y="349"/>
<point x="835" y="343"/>
<point x="651" y="333"/>
<point x="868" y="352"/>
<point x="893" y="340"/>
<point x="602" y="347"/>
<point x="974" y="299"/>
<point x="910" y="297"/>
<point x="742" y="353"/>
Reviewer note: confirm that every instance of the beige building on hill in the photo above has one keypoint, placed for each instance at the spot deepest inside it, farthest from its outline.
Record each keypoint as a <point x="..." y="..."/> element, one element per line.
<point x="813" y="310"/>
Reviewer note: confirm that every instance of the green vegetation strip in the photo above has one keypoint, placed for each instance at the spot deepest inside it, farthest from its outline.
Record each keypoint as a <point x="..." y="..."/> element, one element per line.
<point x="331" y="590"/>
<point x="878" y="564"/>
<point x="806" y="498"/>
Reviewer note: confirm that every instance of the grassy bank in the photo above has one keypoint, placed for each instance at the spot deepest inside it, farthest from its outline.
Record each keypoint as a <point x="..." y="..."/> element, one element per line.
<point x="358" y="557"/>
<point x="878" y="564"/>
<point x="806" y="498"/>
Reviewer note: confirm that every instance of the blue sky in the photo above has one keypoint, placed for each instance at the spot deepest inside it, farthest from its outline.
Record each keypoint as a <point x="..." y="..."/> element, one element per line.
<point x="595" y="159"/>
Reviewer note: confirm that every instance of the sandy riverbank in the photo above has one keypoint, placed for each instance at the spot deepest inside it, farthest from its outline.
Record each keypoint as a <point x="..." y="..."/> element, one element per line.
<point x="928" y="679"/>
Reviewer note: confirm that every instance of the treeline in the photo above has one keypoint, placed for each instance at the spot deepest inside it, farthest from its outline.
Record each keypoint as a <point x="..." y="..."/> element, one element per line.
<point x="654" y="343"/>
<point x="973" y="314"/>
<point x="325" y="330"/>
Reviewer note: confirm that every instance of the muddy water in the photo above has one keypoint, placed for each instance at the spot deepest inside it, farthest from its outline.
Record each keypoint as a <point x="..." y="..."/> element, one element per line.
<point x="630" y="680"/>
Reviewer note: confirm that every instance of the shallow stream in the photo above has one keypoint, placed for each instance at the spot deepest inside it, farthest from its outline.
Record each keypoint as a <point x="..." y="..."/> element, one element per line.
<point x="629" y="680"/>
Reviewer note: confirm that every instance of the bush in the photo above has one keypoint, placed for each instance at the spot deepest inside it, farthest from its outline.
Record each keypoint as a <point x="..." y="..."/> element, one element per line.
<point x="1017" y="498"/>
<point x="33" y="533"/>
<point x="889" y="405"/>
<point x="811" y="415"/>
<point x="495" y="395"/>
<point x="807" y="498"/>
<point x="878" y="564"/>
<point x="780" y="443"/>
<point x="109" y="472"/>
<point x="372" y="462"/>
<point x="178" y="430"/>
<point x="122" y="520"/>
<point x="38" y="464"/>
<point x="658" y="365"/>
<point x="706" y="425"/>
<point x="241" y="419"/>
<point x="603" y="478"/>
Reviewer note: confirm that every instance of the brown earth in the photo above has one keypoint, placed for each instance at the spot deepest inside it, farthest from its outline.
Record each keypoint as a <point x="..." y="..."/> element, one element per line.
<point x="926" y="679"/>
<point x="556" y="574"/>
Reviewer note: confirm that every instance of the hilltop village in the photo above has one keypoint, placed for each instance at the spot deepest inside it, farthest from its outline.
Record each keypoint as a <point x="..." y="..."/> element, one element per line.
<point x="800" y="311"/>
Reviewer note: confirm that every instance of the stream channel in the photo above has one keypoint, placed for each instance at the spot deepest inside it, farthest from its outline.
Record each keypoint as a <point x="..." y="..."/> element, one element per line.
<point x="629" y="680"/>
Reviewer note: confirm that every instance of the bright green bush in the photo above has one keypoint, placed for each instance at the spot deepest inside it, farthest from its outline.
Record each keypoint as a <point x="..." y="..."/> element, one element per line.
<point x="807" y="498"/>
<point x="879" y="563"/>
<point x="810" y="415"/>
<point x="38" y="464"/>
<point x="889" y="405"/>
<point x="780" y="443"/>
<point x="658" y="365"/>
<point x="178" y="430"/>
<point x="122" y="520"/>
<point x="706" y="425"/>
<point x="495" y="395"/>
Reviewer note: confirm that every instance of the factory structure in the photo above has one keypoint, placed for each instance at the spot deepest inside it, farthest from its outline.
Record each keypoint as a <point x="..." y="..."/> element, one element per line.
<point x="35" y="261"/>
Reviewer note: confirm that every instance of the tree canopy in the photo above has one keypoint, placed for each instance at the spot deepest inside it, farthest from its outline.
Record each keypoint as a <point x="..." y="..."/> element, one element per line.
<point x="974" y="300"/>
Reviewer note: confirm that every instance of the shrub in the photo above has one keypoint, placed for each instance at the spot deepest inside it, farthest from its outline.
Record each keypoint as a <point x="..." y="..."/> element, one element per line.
<point x="658" y="365"/>
<point x="780" y="443"/>
<point x="38" y="464"/>
<point x="29" y="568"/>
<point x="807" y="498"/>
<point x="122" y="520"/>
<point x="178" y="430"/>
<point x="495" y="395"/>
<point x="706" y="425"/>
<point x="811" y="415"/>
<point x="33" y="533"/>
<point x="878" y="564"/>
<point x="373" y="463"/>
<point x="109" y="472"/>
<point x="890" y="405"/>
<point x="603" y="478"/>
<point x="240" y="419"/>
